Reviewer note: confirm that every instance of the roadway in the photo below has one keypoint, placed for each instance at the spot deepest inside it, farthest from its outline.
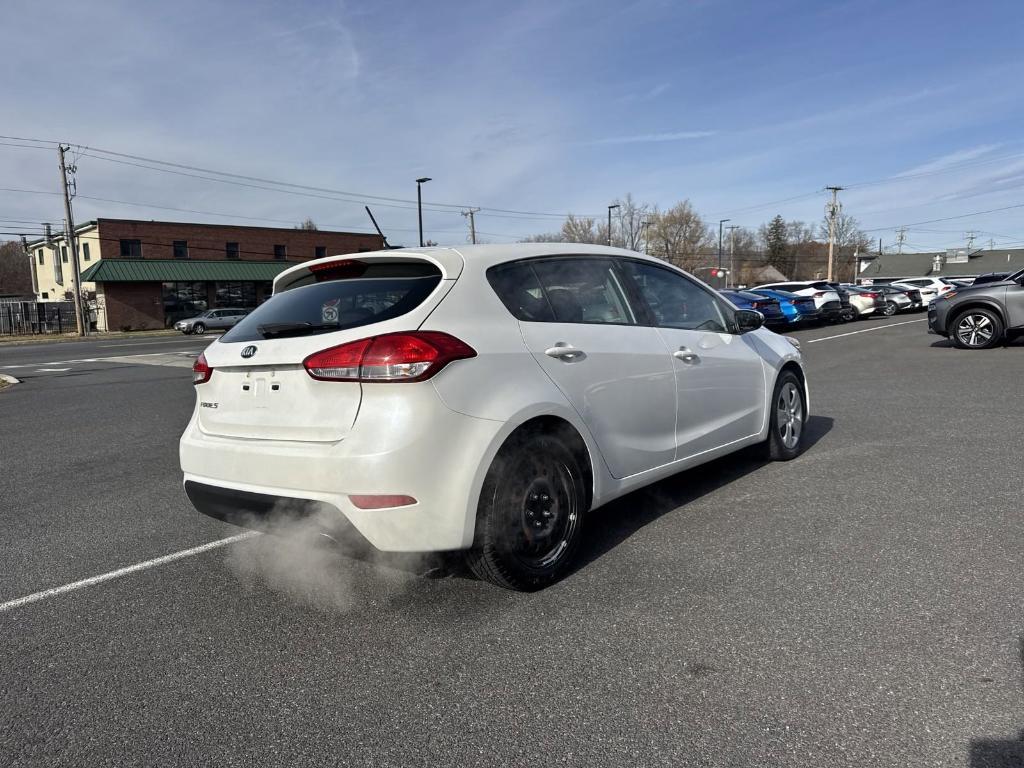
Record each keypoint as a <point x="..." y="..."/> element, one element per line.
<point x="862" y="605"/>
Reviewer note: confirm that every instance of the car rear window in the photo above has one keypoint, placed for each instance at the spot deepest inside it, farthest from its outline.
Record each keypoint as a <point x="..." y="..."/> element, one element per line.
<point x="334" y="305"/>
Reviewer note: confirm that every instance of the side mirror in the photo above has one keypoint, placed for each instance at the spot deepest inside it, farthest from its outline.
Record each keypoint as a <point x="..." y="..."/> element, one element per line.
<point x="748" y="320"/>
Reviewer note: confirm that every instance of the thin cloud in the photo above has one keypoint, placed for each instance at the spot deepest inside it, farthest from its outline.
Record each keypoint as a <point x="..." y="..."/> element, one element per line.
<point x="650" y="138"/>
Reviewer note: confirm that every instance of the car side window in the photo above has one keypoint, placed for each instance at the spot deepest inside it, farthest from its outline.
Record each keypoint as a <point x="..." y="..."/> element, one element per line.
<point x="676" y="301"/>
<point x="584" y="290"/>
<point x="519" y="290"/>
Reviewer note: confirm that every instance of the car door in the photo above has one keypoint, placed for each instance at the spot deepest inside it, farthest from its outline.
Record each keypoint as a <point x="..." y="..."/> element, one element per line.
<point x="216" y="319"/>
<point x="721" y="380"/>
<point x="583" y="331"/>
<point x="1014" y="298"/>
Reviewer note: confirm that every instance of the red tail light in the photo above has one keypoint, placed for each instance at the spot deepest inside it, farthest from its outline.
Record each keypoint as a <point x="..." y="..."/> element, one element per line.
<point x="381" y="501"/>
<point x="393" y="357"/>
<point x="341" y="269"/>
<point x="201" y="370"/>
<point x="818" y="294"/>
<point x="870" y="295"/>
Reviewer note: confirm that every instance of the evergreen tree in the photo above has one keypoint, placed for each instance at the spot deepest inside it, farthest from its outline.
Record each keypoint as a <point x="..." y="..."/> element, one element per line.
<point x="777" y="244"/>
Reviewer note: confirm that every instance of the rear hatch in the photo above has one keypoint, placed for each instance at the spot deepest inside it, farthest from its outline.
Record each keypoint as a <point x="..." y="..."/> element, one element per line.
<point x="259" y="388"/>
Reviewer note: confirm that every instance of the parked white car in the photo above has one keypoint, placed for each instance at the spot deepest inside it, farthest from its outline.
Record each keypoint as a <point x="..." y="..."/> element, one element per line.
<point x="826" y="298"/>
<point x="483" y="398"/>
<point x="938" y="284"/>
<point x="928" y="292"/>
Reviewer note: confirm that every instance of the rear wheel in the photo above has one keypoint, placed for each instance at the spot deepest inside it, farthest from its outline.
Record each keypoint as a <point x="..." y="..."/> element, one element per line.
<point x="977" y="329"/>
<point x="198" y="328"/>
<point x="889" y="309"/>
<point x="788" y="417"/>
<point x="530" y="514"/>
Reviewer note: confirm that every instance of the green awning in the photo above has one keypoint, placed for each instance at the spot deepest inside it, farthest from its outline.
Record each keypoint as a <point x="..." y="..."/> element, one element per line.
<point x="181" y="270"/>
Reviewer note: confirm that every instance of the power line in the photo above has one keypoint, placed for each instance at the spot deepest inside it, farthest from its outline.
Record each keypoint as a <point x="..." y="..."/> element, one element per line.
<point x="950" y="218"/>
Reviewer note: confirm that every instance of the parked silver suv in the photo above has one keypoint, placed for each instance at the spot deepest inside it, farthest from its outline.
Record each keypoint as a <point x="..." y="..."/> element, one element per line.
<point x="211" y="319"/>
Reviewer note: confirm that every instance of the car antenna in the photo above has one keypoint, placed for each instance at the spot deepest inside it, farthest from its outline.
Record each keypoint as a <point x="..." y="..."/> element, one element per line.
<point x="383" y="237"/>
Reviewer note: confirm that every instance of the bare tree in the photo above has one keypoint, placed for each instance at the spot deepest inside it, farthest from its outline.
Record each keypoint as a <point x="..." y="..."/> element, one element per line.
<point x="679" y="234"/>
<point x="15" y="272"/>
<point x="633" y="217"/>
<point x="582" y="230"/>
<point x="308" y="225"/>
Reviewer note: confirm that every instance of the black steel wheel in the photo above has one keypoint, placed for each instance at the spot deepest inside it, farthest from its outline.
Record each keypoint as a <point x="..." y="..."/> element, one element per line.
<point x="530" y="514"/>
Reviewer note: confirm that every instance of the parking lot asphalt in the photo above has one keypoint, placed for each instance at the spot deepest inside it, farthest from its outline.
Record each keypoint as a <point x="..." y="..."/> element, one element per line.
<point x="862" y="605"/>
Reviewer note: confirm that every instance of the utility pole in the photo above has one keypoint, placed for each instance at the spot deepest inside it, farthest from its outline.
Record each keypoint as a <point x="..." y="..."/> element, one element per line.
<point x="31" y="265"/>
<point x="472" y="223"/>
<point x="732" y="253"/>
<point x="645" y="228"/>
<point x="901" y="235"/>
<point x="419" y="203"/>
<point x="69" y="237"/>
<point x="970" y="239"/>
<point x="832" y="211"/>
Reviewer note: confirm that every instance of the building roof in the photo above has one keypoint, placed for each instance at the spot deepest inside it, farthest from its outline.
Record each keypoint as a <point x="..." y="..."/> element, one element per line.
<point x="59" y="233"/>
<point x="183" y="270"/>
<point x="923" y="264"/>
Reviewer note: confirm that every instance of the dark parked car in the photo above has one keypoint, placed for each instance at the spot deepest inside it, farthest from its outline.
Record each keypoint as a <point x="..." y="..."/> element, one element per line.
<point x="990" y="277"/>
<point x="980" y="316"/>
<point x="797" y="309"/>
<point x="767" y="306"/>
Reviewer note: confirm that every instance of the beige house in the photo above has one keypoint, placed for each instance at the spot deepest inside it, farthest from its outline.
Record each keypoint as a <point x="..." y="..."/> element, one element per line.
<point x="52" y="270"/>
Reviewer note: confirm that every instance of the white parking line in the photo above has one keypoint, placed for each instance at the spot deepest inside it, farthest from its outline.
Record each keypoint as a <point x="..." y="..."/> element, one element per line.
<point x="93" y="580"/>
<point x="52" y="370"/>
<point x="117" y="358"/>
<point x="866" y="330"/>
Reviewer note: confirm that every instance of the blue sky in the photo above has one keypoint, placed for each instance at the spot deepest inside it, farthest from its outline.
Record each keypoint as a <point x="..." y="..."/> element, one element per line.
<point x="543" y="105"/>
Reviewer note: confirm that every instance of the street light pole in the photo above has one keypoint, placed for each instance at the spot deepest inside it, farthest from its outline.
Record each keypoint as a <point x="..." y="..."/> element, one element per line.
<point x="615" y="205"/>
<point x="720" y="223"/>
<point x="419" y="203"/>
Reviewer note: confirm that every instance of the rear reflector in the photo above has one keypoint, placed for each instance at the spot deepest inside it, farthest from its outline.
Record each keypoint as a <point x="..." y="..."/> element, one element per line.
<point x="381" y="501"/>
<point x="201" y="370"/>
<point x="393" y="357"/>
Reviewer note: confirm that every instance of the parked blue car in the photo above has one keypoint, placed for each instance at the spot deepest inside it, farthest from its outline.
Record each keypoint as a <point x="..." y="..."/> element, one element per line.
<point x="796" y="308"/>
<point x="766" y="305"/>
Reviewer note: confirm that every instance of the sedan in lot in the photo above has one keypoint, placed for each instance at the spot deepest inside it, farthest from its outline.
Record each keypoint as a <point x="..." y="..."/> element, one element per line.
<point x="796" y="308"/>
<point x="767" y="306"/>
<point x="211" y="320"/>
<point x="826" y="298"/>
<point x="481" y="399"/>
<point x="978" y="317"/>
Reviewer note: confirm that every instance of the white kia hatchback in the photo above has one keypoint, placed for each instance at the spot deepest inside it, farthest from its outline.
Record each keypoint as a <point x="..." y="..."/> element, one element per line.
<point x="480" y="398"/>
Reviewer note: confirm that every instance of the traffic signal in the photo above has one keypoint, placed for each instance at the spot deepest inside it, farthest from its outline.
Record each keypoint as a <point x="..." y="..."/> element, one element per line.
<point x="719" y="272"/>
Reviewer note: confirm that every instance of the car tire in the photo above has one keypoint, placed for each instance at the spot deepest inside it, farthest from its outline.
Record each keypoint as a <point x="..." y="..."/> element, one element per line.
<point x="976" y="329"/>
<point x="787" y="424"/>
<point x="530" y="514"/>
<point x="889" y="308"/>
<point x="198" y="328"/>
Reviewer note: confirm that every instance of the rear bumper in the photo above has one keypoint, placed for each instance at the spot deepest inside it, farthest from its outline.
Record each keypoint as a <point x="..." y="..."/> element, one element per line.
<point x="413" y="446"/>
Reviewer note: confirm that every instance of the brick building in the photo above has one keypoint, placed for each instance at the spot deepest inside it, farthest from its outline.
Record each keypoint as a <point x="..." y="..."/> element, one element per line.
<point x="148" y="274"/>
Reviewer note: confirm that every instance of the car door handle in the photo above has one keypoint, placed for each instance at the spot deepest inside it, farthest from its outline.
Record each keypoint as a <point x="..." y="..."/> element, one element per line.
<point x="566" y="352"/>
<point x="687" y="356"/>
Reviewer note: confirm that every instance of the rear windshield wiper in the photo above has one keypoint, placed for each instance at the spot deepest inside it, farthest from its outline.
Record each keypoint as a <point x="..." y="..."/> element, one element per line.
<point x="292" y="329"/>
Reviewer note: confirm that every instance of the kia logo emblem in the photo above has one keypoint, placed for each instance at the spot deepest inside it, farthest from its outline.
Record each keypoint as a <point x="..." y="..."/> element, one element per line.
<point x="249" y="351"/>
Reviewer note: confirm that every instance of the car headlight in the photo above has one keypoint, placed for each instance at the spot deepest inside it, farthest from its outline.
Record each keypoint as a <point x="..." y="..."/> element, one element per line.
<point x="794" y="342"/>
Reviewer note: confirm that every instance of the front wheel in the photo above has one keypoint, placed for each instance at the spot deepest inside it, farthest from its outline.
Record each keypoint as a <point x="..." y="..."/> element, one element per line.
<point x="977" y="329"/>
<point x="530" y="514"/>
<point x="198" y="328"/>
<point x="788" y="418"/>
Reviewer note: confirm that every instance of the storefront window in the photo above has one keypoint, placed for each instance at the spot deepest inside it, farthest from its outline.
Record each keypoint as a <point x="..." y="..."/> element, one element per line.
<point x="183" y="300"/>
<point x="236" y="294"/>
